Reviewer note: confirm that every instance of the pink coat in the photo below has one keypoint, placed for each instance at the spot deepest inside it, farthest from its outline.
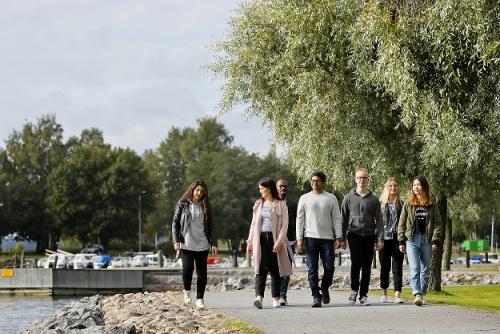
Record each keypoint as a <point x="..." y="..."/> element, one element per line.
<point x="279" y="222"/>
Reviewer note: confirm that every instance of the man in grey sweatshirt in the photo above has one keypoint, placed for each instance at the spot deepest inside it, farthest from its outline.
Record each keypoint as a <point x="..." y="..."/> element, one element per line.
<point x="318" y="224"/>
<point x="362" y="218"/>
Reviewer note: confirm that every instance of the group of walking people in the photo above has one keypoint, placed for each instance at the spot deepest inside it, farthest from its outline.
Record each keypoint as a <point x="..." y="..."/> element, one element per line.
<point x="316" y="226"/>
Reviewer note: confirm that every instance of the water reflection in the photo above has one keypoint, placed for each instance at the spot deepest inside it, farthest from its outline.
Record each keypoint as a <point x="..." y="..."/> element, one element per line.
<point x="18" y="313"/>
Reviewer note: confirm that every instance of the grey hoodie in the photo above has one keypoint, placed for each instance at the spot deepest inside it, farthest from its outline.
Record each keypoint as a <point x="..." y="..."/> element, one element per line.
<point x="362" y="215"/>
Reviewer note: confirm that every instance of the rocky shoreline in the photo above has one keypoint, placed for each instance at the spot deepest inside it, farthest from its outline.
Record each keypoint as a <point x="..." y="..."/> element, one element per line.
<point x="163" y="312"/>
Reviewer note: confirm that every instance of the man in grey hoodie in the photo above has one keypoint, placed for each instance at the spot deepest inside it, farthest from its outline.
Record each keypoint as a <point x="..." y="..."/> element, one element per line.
<point x="362" y="218"/>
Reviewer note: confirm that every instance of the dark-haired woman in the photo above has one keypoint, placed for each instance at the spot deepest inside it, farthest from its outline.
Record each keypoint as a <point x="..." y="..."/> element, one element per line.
<point x="419" y="234"/>
<point x="193" y="235"/>
<point x="267" y="242"/>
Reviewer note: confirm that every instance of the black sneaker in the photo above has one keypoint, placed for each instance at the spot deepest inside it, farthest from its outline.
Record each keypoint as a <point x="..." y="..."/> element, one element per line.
<point x="325" y="296"/>
<point x="316" y="302"/>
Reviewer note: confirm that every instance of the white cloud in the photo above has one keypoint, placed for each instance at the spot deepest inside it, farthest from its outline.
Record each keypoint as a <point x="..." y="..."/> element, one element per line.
<point x="133" y="69"/>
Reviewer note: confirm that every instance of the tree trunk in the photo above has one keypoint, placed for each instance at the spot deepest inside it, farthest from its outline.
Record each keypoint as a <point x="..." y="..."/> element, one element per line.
<point x="448" y="244"/>
<point x="435" y="265"/>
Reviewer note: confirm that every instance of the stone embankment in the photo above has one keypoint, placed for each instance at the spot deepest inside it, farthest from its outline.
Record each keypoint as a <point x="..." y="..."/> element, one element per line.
<point x="163" y="312"/>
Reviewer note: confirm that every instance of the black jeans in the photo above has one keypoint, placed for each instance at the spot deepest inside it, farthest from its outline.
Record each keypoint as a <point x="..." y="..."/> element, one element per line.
<point x="189" y="258"/>
<point x="286" y="279"/>
<point x="391" y="251"/>
<point x="268" y="263"/>
<point x="316" y="248"/>
<point x="361" y="248"/>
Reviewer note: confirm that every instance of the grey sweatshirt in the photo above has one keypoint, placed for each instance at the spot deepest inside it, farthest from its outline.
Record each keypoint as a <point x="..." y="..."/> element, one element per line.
<point x="318" y="216"/>
<point x="362" y="215"/>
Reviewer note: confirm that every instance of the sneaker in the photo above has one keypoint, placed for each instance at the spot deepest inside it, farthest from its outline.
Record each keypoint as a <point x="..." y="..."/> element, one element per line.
<point x="383" y="299"/>
<point x="200" y="304"/>
<point x="418" y="300"/>
<point x="364" y="301"/>
<point x="325" y="297"/>
<point x="276" y="303"/>
<point x="258" y="302"/>
<point x="187" y="297"/>
<point x="316" y="302"/>
<point x="352" y="297"/>
<point x="398" y="300"/>
<point x="283" y="301"/>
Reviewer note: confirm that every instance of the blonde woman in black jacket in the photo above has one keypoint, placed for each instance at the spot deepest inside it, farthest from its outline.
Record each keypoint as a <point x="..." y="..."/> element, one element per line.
<point x="193" y="235"/>
<point x="419" y="234"/>
<point x="391" y="205"/>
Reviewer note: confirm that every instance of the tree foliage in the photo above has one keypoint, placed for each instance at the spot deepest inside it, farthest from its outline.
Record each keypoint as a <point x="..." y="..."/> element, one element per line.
<point x="400" y="87"/>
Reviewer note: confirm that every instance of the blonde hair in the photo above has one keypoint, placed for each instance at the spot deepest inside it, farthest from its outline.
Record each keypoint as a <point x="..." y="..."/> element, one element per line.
<point x="360" y="169"/>
<point x="384" y="197"/>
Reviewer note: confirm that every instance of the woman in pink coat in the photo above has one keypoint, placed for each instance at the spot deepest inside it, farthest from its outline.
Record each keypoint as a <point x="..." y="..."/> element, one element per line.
<point x="267" y="241"/>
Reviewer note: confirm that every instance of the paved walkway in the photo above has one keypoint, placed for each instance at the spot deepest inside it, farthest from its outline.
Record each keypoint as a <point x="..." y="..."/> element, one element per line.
<point x="340" y="317"/>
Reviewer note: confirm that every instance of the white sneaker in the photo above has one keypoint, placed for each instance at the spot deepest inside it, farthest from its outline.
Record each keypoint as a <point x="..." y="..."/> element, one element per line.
<point x="364" y="301"/>
<point x="418" y="300"/>
<point x="352" y="297"/>
<point x="200" y="304"/>
<point x="276" y="303"/>
<point x="187" y="297"/>
<point x="258" y="302"/>
<point x="383" y="299"/>
<point x="398" y="300"/>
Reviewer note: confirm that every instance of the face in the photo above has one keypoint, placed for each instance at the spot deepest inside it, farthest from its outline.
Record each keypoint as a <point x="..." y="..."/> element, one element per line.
<point x="282" y="186"/>
<point x="198" y="193"/>
<point x="393" y="188"/>
<point x="362" y="179"/>
<point x="417" y="187"/>
<point x="317" y="184"/>
<point x="264" y="192"/>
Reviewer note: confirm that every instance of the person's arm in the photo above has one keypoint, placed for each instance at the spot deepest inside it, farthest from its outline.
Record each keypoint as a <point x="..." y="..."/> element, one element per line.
<point x="344" y="211"/>
<point x="438" y="229"/>
<point x="211" y="231"/>
<point x="402" y="227"/>
<point x="176" y="228"/>
<point x="300" y="223"/>
<point x="338" y="230"/>
<point x="251" y="231"/>
<point x="380" y="225"/>
<point x="280" y="240"/>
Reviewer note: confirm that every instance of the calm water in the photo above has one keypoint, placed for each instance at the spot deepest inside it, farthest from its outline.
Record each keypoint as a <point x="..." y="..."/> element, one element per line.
<point x="18" y="313"/>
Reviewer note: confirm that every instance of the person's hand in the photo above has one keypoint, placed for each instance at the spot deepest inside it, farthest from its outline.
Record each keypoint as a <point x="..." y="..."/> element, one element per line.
<point x="215" y="250"/>
<point x="435" y="247"/>
<point x="177" y="246"/>
<point x="339" y="243"/>
<point x="249" y="249"/>
<point x="402" y="248"/>
<point x="380" y="245"/>
<point x="300" y="246"/>
<point x="277" y="247"/>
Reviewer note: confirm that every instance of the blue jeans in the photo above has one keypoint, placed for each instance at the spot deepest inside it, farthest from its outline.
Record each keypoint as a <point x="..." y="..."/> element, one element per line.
<point x="316" y="248"/>
<point x="419" y="256"/>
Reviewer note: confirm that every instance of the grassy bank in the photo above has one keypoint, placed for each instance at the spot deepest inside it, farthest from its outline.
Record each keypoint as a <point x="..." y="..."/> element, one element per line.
<point x="483" y="297"/>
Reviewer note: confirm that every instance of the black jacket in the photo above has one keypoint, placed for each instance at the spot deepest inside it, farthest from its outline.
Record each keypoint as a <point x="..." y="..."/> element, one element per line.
<point x="292" y="217"/>
<point x="182" y="220"/>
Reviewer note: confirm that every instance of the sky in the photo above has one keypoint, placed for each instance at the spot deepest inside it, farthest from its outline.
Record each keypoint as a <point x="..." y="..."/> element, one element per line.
<point x="132" y="69"/>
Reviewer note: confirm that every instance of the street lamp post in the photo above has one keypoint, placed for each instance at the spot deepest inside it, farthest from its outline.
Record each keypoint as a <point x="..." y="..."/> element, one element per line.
<point x="140" y="219"/>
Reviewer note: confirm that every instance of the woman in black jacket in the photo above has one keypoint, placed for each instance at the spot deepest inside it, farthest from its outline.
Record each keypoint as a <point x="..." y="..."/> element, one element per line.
<point x="391" y="206"/>
<point x="192" y="233"/>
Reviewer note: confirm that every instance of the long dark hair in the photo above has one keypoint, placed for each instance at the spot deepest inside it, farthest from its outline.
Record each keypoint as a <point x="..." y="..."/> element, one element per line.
<point x="425" y="198"/>
<point x="271" y="185"/>
<point x="188" y="195"/>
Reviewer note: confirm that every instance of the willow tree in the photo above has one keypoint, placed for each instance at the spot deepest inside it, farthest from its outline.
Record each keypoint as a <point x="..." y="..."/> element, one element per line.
<point x="401" y="87"/>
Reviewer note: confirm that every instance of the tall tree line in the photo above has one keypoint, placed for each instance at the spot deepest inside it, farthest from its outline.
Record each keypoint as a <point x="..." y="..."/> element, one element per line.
<point x="86" y="189"/>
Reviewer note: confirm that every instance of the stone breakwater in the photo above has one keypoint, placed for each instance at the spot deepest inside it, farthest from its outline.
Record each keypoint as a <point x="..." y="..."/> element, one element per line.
<point x="134" y="313"/>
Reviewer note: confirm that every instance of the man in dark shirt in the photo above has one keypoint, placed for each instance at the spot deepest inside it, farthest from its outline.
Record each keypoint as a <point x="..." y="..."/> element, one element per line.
<point x="282" y="186"/>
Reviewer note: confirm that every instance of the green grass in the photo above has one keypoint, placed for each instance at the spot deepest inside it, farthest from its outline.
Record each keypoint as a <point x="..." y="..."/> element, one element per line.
<point x="483" y="297"/>
<point x="241" y="326"/>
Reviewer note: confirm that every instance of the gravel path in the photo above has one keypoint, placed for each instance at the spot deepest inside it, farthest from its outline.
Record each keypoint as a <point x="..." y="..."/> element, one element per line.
<point x="339" y="317"/>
